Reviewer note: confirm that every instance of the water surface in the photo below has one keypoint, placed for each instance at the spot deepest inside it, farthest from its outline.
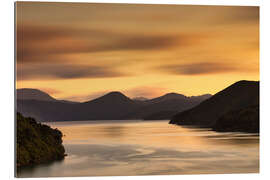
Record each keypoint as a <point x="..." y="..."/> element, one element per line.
<point x="107" y="148"/>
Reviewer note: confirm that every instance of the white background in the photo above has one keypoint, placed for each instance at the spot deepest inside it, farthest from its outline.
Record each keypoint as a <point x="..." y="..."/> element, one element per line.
<point x="7" y="89"/>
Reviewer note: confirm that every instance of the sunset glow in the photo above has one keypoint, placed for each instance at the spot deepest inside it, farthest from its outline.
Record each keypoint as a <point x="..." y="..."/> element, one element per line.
<point x="79" y="51"/>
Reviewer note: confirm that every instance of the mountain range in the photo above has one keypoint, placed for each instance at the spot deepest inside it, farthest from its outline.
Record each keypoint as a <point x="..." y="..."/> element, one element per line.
<point x="112" y="106"/>
<point x="36" y="94"/>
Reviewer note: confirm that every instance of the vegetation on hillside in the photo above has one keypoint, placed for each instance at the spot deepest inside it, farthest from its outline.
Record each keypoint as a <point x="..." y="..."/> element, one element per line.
<point x="246" y="120"/>
<point x="236" y="108"/>
<point x="37" y="143"/>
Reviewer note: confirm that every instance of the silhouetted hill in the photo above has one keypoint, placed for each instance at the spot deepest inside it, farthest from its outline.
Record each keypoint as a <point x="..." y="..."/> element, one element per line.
<point x="36" y="94"/>
<point x="175" y="96"/>
<point x="200" y="98"/>
<point x="166" y="97"/>
<point x="111" y="97"/>
<point x="246" y="120"/>
<point x="37" y="143"/>
<point x="46" y="110"/>
<point x="167" y="103"/>
<point x="112" y="106"/>
<point x="240" y="95"/>
<point x="140" y="99"/>
<point x="33" y="94"/>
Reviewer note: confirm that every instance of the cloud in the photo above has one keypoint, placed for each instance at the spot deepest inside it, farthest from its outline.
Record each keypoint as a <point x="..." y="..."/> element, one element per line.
<point x="200" y="68"/>
<point x="35" y="43"/>
<point x="232" y="15"/>
<point x="65" y="71"/>
<point x="245" y="14"/>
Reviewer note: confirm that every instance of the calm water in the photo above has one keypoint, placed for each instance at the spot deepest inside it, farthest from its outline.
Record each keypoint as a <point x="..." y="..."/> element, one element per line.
<point x="148" y="148"/>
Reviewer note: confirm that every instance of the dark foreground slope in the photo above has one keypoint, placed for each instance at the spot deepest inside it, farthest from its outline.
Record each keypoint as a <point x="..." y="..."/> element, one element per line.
<point x="243" y="120"/>
<point x="237" y="97"/>
<point x="37" y="143"/>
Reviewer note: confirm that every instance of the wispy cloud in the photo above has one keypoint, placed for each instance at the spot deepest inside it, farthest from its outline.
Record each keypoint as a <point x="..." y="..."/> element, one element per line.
<point x="201" y="68"/>
<point x="36" y="42"/>
<point x="132" y="48"/>
<point x="65" y="71"/>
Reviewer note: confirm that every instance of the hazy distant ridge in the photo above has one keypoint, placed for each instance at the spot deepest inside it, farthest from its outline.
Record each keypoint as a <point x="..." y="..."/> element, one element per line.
<point x="112" y="106"/>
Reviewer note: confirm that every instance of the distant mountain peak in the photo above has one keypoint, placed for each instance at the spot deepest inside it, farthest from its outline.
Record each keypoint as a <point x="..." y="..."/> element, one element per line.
<point x="115" y="94"/>
<point x="172" y="94"/>
<point x="31" y="90"/>
<point x="33" y="94"/>
<point x="112" y="96"/>
<point x="202" y="95"/>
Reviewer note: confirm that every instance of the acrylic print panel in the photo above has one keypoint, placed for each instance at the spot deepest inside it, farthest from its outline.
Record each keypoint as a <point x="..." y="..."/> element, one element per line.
<point x="136" y="89"/>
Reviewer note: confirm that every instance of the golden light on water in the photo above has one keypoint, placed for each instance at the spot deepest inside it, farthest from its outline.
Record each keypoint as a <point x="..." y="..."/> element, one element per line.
<point x="150" y="148"/>
<point x="153" y="134"/>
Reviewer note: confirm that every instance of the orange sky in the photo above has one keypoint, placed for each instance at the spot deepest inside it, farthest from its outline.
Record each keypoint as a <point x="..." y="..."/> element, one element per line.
<point x="79" y="51"/>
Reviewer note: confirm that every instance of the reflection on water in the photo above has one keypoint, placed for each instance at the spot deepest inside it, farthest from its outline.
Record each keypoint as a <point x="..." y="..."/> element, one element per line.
<point x="113" y="131"/>
<point x="145" y="148"/>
